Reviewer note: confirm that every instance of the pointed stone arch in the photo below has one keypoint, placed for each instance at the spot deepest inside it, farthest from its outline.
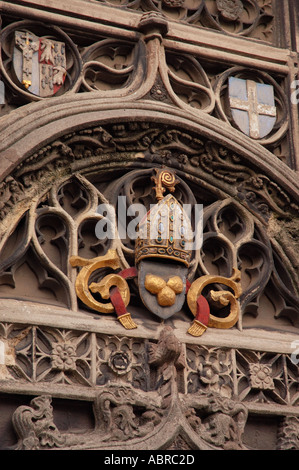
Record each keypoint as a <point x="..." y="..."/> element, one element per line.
<point x="50" y="147"/>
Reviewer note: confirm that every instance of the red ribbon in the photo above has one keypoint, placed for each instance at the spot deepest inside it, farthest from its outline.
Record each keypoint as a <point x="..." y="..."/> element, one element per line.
<point x="203" y="308"/>
<point x="115" y="297"/>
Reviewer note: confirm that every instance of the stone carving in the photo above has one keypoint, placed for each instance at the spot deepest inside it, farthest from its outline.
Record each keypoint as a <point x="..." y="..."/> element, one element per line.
<point x="288" y="434"/>
<point x="230" y="9"/>
<point x="95" y="360"/>
<point x="35" y="427"/>
<point x="247" y="17"/>
<point x="261" y="376"/>
<point x="119" y="362"/>
<point x="159" y="146"/>
<point x="212" y="412"/>
<point x="224" y="425"/>
<point x="125" y="416"/>
<point x="45" y="257"/>
<point x="64" y="356"/>
<point x="111" y="67"/>
<point x="164" y="234"/>
<point x="120" y="69"/>
<point x="117" y="418"/>
<point x="168" y="356"/>
<point x="210" y="370"/>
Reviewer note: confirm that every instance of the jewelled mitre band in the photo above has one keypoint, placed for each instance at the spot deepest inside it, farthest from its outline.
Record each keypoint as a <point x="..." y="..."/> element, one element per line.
<point x="165" y="232"/>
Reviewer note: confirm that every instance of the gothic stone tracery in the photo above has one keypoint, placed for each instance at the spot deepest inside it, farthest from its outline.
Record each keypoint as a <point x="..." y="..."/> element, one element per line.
<point x="208" y="83"/>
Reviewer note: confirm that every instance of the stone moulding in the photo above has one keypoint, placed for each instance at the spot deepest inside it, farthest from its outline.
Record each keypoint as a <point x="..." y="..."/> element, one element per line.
<point x="27" y="130"/>
<point x="82" y="14"/>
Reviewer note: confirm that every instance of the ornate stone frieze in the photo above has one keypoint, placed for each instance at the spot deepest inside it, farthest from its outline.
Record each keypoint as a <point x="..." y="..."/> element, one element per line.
<point x="211" y="415"/>
<point x="151" y="144"/>
<point x="125" y="416"/>
<point x="144" y="69"/>
<point x="41" y="357"/>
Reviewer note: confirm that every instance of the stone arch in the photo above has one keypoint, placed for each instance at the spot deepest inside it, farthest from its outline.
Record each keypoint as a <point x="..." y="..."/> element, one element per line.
<point x="48" y="149"/>
<point x="43" y="138"/>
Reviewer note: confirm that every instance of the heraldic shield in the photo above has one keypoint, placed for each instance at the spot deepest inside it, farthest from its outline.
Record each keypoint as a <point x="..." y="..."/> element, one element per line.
<point x="163" y="254"/>
<point x="252" y="107"/>
<point x="39" y="63"/>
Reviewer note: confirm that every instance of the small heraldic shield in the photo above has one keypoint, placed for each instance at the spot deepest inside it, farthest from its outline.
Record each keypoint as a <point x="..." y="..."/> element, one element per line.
<point x="39" y="63"/>
<point x="163" y="254"/>
<point x="252" y="107"/>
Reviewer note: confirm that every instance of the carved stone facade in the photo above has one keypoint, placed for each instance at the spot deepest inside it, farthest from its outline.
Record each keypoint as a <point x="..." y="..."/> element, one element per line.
<point x="107" y="342"/>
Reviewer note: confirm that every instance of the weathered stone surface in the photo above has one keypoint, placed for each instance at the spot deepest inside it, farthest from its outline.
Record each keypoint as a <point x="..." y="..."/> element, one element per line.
<point x="144" y="85"/>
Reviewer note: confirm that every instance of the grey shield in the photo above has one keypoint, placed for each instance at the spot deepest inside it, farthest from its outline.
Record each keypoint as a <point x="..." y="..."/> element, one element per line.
<point x="252" y="107"/>
<point x="165" y="270"/>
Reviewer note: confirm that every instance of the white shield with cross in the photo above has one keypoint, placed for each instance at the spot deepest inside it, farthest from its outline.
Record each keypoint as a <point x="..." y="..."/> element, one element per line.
<point x="252" y="106"/>
<point x="39" y="63"/>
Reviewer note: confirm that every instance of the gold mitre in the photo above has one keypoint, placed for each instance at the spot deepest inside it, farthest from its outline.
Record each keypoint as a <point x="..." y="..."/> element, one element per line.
<point x="165" y="232"/>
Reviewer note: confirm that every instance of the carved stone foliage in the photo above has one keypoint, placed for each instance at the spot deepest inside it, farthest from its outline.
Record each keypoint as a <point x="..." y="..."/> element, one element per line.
<point x="134" y="70"/>
<point x="288" y="436"/>
<point x="245" y="18"/>
<point x="154" y="145"/>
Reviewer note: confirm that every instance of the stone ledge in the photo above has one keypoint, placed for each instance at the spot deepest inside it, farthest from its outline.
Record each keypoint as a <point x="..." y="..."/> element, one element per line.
<point x="25" y="312"/>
